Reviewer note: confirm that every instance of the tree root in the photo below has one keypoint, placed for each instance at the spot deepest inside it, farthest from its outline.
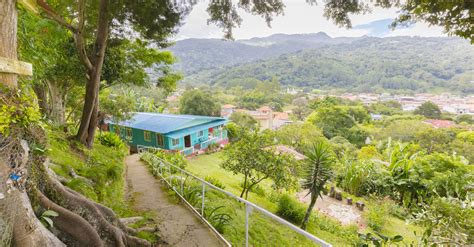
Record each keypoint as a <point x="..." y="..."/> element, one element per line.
<point x="74" y="225"/>
<point x="106" y="224"/>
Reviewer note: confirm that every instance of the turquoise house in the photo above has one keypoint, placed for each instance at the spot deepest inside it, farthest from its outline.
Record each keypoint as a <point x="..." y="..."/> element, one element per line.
<point x="181" y="133"/>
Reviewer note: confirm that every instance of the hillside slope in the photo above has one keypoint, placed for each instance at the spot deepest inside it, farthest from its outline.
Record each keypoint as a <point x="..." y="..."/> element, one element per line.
<point x="367" y="64"/>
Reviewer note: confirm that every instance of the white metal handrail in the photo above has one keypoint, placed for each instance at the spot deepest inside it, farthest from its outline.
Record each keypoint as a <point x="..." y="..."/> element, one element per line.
<point x="249" y="206"/>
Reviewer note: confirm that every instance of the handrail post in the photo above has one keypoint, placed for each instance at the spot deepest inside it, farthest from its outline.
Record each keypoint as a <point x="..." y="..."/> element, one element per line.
<point x="182" y="183"/>
<point x="203" y="197"/>
<point x="247" y="211"/>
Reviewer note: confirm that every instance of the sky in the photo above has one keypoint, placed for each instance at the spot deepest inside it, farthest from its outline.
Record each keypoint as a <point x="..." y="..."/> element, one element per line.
<point x="299" y="17"/>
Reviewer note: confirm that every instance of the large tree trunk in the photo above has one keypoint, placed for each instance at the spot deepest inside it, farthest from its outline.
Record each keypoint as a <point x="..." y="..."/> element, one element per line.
<point x="8" y="27"/>
<point x="89" y="117"/>
<point x="57" y="103"/>
<point x="42" y="94"/>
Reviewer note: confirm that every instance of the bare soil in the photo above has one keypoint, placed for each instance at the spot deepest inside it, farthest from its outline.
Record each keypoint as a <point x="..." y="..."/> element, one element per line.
<point x="178" y="226"/>
<point x="339" y="210"/>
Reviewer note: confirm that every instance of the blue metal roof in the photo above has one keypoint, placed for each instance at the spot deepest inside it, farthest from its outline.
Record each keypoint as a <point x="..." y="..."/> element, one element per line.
<point x="167" y="123"/>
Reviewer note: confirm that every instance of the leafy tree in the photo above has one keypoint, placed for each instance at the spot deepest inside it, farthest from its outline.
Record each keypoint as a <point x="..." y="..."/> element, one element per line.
<point x="254" y="157"/>
<point x="443" y="175"/>
<point x="358" y="113"/>
<point x="429" y="110"/>
<point x="92" y="24"/>
<point x="301" y="111"/>
<point x="333" y="121"/>
<point x="446" y="221"/>
<point x="244" y="120"/>
<point x="342" y="148"/>
<point x="197" y="102"/>
<point x="317" y="171"/>
<point x="465" y="118"/>
<point x="301" y="136"/>
<point x="434" y="140"/>
<point x="368" y="152"/>
<point x="390" y="107"/>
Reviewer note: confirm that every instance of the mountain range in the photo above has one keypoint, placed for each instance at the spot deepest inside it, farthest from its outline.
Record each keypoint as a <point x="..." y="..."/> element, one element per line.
<point x="317" y="60"/>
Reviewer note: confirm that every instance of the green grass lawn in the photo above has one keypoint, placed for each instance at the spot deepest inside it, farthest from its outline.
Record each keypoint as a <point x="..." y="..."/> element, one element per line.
<point x="264" y="229"/>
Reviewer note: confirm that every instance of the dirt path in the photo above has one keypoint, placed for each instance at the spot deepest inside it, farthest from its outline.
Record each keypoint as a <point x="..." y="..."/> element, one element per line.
<point x="178" y="225"/>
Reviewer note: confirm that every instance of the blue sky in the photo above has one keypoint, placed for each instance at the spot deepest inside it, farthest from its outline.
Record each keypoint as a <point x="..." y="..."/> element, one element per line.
<point x="300" y="17"/>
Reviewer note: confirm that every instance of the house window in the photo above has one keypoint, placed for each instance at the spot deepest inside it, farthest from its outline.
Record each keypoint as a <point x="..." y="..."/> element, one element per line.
<point x="147" y="136"/>
<point x="200" y="133"/>
<point x="159" y="140"/>
<point x="175" y="142"/>
<point x="129" y="132"/>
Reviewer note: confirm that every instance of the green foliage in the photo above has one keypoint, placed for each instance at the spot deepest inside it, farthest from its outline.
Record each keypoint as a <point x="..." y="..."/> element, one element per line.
<point x="254" y="157"/>
<point x="244" y="120"/>
<point x="446" y="176"/>
<point x="110" y="139"/>
<point x="447" y="221"/>
<point x="391" y="107"/>
<point x="46" y="218"/>
<point x="465" y="118"/>
<point x="467" y="136"/>
<point x="299" y="135"/>
<point x="214" y="181"/>
<point x="290" y="209"/>
<point x="17" y="109"/>
<point x="435" y="140"/>
<point x="173" y="158"/>
<point x="381" y="240"/>
<point x="317" y="170"/>
<point x="429" y="110"/>
<point x="197" y="102"/>
<point x="99" y="170"/>
<point x="376" y="216"/>
<point x="217" y="219"/>
<point x="397" y="64"/>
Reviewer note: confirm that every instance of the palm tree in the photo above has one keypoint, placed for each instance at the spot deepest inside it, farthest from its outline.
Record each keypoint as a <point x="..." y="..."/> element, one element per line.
<point x="317" y="171"/>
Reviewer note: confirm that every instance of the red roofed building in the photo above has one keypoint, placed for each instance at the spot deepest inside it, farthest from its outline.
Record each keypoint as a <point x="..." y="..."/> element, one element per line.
<point x="440" y="124"/>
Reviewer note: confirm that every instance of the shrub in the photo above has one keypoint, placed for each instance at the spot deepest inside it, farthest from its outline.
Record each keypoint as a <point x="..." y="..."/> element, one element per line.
<point x="213" y="147"/>
<point x="214" y="181"/>
<point x="110" y="139"/>
<point x="175" y="159"/>
<point x="290" y="209"/>
<point x="376" y="216"/>
<point x="217" y="219"/>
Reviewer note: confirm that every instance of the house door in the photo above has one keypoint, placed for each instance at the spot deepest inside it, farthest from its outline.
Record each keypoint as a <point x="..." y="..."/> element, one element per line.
<point x="187" y="141"/>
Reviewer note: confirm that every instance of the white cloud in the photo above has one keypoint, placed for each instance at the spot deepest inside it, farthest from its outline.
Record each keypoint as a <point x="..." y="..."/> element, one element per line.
<point x="299" y="17"/>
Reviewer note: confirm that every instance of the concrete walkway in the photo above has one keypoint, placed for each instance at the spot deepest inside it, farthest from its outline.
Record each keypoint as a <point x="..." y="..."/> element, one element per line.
<point x="177" y="224"/>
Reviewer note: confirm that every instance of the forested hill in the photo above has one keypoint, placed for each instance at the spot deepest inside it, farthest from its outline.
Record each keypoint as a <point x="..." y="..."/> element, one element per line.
<point x="318" y="61"/>
<point x="200" y="54"/>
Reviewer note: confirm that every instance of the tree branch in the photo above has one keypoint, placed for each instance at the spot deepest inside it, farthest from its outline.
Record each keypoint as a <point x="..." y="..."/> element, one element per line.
<point x="79" y="37"/>
<point x="55" y="16"/>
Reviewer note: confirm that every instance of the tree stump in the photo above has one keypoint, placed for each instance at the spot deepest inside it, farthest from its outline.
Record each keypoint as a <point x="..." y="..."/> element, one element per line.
<point x="332" y="192"/>
<point x="349" y="201"/>
<point x="338" y="196"/>
<point x="360" y="205"/>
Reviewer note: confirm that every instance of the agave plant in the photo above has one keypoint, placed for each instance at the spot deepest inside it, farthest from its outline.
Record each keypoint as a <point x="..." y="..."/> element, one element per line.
<point x="317" y="171"/>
